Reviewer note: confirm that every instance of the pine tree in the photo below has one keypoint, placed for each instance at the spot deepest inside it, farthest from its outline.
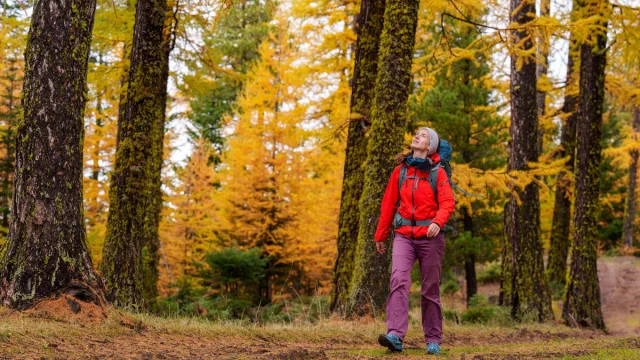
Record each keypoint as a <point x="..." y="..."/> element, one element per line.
<point x="133" y="188"/>
<point x="369" y="27"/>
<point x="233" y="45"/>
<point x="523" y="285"/>
<point x="369" y="289"/>
<point x="582" y="302"/>
<point x="47" y="249"/>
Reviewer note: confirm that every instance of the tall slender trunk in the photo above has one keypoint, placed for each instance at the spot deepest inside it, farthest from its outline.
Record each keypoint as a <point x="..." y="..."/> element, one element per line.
<point x="369" y="27"/>
<point x="630" y="211"/>
<point x="523" y="285"/>
<point x="542" y="67"/>
<point x="133" y="187"/>
<point x="582" y="304"/>
<point x="369" y="288"/>
<point x="470" y="261"/>
<point x="561" y="223"/>
<point x="151" y="246"/>
<point x="47" y="249"/>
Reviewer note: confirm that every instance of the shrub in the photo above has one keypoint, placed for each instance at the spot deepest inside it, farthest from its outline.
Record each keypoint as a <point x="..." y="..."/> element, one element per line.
<point x="480" y="311"/>
<point x="490" y="273"/>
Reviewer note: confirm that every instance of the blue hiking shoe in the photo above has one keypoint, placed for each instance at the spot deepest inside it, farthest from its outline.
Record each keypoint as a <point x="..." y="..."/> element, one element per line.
<point x="433" y="349"/>
<point x="390" y="341"/>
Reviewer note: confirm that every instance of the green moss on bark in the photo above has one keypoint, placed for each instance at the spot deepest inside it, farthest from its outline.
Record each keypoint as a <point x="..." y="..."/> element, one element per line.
<point x="369" y="27"/>
<point x="369" y="287"/>
<point x="582" y="305"/>
<point x="46" y="249"/>
<point x="523" y="285"/>
<point x="133" y="184"/>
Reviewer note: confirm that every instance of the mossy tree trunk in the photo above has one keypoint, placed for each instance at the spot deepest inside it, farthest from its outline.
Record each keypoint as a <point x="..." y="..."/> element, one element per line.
<point x="523" y="285"/>
<point x="151" y="246"/>
<point x="630" y="211"/>
<point x="133" y="188"/>
<point x="561" y="223"/>
<point x="46" y="249"/>
<point x="369" y="287"/>
<point x="582" y="303"/>
<point x="369" y="27"/>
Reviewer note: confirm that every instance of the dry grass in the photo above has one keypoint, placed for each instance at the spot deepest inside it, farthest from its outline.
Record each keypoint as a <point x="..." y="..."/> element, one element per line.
<point x="142" y="336"/>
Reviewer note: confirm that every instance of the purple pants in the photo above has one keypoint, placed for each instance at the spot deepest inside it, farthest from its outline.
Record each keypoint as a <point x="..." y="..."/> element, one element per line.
<point x="429" y="253"/>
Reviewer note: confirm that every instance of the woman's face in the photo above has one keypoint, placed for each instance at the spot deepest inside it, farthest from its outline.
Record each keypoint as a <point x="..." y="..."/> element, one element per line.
<point x="421" y="141"/>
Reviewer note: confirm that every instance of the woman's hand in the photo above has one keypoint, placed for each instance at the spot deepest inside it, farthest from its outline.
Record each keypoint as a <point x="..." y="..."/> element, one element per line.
<point x="380" y="247"/>
<point x="434" y="229"/>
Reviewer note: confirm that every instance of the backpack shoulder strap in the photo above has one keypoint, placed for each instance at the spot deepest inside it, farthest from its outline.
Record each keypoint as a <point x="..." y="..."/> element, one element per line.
<point x="403" y="175"/>
<point x="433" y="180"/>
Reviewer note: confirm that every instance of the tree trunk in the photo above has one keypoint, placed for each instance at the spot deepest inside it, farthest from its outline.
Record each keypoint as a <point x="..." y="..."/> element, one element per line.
<point x="46" y="249"/>
<point x="542" y="67"/>
<point x="369" y="288"/>
<point x="561" y="223"/>
<point x="630" y="213"/>
<point x="523" y="285"/>
<point x="150" y="250"/>
<point x="582" y="303"/>
<point x="470" y="261"/>
<point x="369" y="28"/>
<point x="133" y="187"/>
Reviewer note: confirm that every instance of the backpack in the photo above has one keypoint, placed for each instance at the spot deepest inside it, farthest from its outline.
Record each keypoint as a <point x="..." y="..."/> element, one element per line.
<point x="445" y="151"/>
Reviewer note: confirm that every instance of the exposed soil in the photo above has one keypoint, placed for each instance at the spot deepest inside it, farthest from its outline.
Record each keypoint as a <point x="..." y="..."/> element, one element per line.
<point x="620" y="292"/>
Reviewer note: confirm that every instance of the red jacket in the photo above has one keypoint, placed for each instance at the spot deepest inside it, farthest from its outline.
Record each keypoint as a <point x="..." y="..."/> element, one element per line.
<point x="421" y="200"/>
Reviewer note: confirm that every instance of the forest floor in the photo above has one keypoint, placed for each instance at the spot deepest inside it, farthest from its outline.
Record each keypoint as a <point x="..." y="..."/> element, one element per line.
<point x="52" y="331"/>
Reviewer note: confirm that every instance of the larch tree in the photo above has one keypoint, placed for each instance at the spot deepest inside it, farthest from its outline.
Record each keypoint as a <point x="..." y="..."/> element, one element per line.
<point x="151" y="242"/>
<point x="542" y="68"/>
<point x="556" y="271"/>
<point x="106" y="68"/>
<point x="630" y="209"/>
<point x="369" y="285"/>
<point x="46" y="249"/>
<point x="523" y="286"/>
<point x="368" y="29"/>
<point x="133" y="186"/>
<point x="582" y="306"/>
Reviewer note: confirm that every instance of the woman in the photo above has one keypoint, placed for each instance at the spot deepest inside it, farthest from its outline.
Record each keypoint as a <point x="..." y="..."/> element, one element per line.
<point x="418" y="216"/>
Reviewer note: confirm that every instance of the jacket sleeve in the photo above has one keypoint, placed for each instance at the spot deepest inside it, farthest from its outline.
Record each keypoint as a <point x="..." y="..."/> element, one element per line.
<point x="446" y="201"/>
<point x="388" y="207"/>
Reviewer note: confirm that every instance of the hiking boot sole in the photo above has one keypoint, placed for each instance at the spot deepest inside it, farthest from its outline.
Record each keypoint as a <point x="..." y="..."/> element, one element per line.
<point x="382" y="340"/>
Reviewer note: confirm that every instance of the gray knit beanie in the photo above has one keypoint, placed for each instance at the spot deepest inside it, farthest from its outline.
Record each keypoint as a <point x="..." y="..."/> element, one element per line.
<point x="434" y="140"/>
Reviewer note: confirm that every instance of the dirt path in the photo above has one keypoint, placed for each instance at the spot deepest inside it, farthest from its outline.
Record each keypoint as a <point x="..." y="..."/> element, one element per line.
<point x="620" y="293"/>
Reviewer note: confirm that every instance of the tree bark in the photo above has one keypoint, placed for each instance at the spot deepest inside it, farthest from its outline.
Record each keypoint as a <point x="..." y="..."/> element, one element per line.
<point x="369" y="28"/>
<point x="133" y="187"/>
<point x="542" y="67"/>
<point x="369" y="288"/>
<point x="523" y="285"/>
<point x="561" y="223"/>
<point x="150" y="249"/>
<point x="582" y="303"/>
<point x="46" y="249"/>
<point x="630" y="213"/>
<point x="470" y="261"/>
